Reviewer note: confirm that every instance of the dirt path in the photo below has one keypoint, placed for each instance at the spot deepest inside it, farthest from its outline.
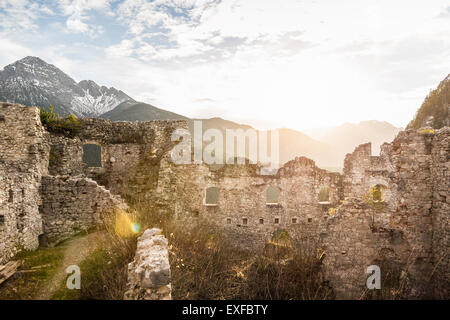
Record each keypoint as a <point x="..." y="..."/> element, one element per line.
<point x="76" y="250"/>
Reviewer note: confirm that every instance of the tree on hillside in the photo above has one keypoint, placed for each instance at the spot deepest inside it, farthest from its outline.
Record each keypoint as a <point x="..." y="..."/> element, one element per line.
<point x="435" y="108"/>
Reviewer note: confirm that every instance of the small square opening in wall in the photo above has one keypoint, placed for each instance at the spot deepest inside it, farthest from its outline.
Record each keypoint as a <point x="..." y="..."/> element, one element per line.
<point x="228" y="220"/>
<point x="294" y="220"/>
<point x="261" y="221"/>
<point x="309" y="219"/>
<point x="277" y="220"/>
<point x="2" y="220"/>
<point x="92" y="155"/>
<point x="244" y="221"/>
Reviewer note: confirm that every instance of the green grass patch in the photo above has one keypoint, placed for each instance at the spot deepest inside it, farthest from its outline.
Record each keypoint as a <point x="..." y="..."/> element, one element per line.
<point x="38" y="267"/>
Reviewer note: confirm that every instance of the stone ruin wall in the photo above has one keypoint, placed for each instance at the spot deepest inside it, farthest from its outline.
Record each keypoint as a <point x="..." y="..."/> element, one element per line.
<point x="130" y="154"/>
<point x="440" y="172"/>
<point x="135" y="162"/>
<point x="242" y="208"/>
<point x="409" y="233"/>
<point x="149" y="272"/>
<point x="71" y="205"/>
<point x="33" y="203"/>
<point x="23" y="154"/>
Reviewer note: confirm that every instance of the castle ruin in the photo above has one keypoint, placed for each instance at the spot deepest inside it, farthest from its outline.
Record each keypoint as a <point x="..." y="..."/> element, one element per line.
<point x="53" y="186"/>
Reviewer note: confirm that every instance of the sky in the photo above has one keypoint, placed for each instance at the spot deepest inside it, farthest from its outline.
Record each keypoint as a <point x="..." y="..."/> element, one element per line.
<point x="300" y="64"/>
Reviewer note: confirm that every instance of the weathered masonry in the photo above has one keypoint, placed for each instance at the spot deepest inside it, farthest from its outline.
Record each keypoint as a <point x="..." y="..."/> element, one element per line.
<point x="53" y="185"/>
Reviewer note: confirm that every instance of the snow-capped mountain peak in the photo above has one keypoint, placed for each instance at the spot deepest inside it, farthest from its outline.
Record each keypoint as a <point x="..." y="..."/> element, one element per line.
<point x="32" y="81"/>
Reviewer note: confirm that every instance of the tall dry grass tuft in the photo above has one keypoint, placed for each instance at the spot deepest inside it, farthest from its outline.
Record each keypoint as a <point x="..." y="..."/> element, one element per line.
<point x="205" y="264"/>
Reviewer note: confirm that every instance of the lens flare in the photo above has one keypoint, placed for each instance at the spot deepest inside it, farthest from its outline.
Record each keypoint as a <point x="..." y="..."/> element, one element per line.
<point x="125" y="226"/>
<point x="135" y="227"/>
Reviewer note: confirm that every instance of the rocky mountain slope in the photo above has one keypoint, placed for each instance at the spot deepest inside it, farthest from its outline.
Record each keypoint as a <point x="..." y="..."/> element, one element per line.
<point x="32" y="81"/>
<point x="434" y="111"/>
<point x="131" y="110"/>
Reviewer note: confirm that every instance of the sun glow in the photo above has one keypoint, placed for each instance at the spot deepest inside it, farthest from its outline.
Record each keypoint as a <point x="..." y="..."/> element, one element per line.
<point x="125" y="226"/>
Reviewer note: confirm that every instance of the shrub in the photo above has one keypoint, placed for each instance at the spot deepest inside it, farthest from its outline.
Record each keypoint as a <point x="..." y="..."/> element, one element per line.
<point x="69" y="125"/>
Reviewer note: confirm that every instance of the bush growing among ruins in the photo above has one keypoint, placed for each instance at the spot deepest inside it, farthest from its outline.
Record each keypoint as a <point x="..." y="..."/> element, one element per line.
<point x="69" y="125"/>
<point x="373" y="199"/>
<point x="332" y="212"/>
<point x="427" y="131"/>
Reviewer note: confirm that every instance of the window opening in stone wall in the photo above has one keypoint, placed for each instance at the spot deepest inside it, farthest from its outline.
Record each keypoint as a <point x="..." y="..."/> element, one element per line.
<point x="324" y="194"/>
<point x="277" y="220"/>
<point x="11" y="195"/>
<point x="2" y="220"/>
<point x="378" y="192"/>
<point x="294" y="220"/>
<point x="244" y="221"/>
<point x="229" y="221"/>
<point x="272" y="195"/>
<point x="92" y="155"/>
<point x="261" y="221"/>
<point x="212" y="196"/>
<point x="309" y="219"/>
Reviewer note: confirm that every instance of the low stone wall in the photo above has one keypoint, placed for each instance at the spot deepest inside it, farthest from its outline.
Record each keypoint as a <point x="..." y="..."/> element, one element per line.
<point x="149" y="273"/>
<point x="70" y="205"/>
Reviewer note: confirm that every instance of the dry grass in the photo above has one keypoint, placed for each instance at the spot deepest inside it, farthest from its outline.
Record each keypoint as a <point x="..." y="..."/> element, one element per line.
<point x="205" y="264"/>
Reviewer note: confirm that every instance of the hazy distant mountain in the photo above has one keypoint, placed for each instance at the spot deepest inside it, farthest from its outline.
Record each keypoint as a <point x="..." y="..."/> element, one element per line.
<point x="292" y="143"/>
<point x="133" y="111"/>
<point x="33" y="82"/>
<point x="295" y="143"/>
<point x="343" y="139"/>
<point x="434" y="111"/>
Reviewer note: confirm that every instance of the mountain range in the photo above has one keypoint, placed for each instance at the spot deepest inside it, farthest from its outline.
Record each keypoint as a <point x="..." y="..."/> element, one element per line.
<point x="32" y="81"/>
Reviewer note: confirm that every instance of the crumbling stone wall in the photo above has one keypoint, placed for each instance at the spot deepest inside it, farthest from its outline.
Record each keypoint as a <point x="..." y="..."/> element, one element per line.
<point x="23" y="154"/>
<point x="130" y="153"/>
<point x="70" y="205"/>
<point x="149" y="272"/>
<point x="242" y="207"/>
<point x="440" y="173"/>
<point x="410" y="231"/>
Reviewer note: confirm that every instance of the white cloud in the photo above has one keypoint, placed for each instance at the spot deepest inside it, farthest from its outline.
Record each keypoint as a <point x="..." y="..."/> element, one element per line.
<point x="21" y="15"/>
<point x="78" y="15"/>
